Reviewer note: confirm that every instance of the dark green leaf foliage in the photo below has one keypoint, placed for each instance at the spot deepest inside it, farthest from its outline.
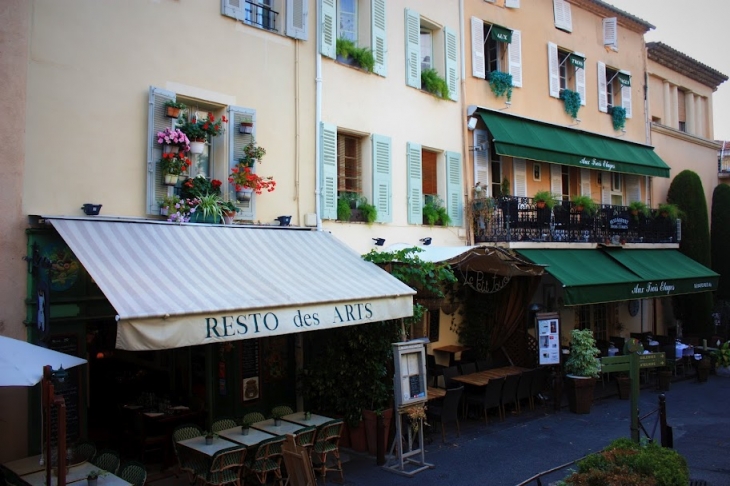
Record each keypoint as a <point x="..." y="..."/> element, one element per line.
<point x="478" y="311"/>
<point x="435" y="84"/>
<point x="618" y="117"/>
<point x="363" y="56"/>
<point x="720" y="237"/>
<point x="572" y="102"/>
<point x="695" y="310"/>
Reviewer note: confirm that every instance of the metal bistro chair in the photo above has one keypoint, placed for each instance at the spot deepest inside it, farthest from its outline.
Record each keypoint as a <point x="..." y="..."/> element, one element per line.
<point x="267" y="459"/>
<point x="490" y="397"/>
<point x="468" y="368"/>
<point x="107" y="460"/>
<point x="190" y="463"/>
<point x="328" y="443"/>
<point x="223" y="424"/>
<point x="448" y="412"/>
<point x="134" y="473"/>
<point x="225" y="468"/>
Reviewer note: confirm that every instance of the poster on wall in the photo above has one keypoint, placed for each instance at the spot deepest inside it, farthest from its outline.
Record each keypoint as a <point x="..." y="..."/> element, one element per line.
<point x="548" y="338"/>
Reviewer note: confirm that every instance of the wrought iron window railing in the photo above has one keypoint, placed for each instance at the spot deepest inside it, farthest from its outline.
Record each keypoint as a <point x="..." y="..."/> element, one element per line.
<point x="260" y="15"/>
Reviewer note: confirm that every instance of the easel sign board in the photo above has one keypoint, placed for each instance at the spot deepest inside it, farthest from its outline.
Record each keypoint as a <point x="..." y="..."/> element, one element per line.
<point x="547" y="330"/>
<point x="410" y="373"/>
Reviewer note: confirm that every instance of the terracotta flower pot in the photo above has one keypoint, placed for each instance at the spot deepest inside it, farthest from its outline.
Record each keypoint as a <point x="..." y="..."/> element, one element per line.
<point x="172" y="112"/>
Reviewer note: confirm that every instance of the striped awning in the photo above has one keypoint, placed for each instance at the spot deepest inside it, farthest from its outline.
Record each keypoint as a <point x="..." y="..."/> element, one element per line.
<point x="175" y="285"/>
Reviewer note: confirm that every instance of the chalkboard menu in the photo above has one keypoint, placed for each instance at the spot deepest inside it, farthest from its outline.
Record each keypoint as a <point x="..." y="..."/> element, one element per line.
<point x="250" y="369"/>
<point x="70" y="390"/>
<point x="410" y="372"/>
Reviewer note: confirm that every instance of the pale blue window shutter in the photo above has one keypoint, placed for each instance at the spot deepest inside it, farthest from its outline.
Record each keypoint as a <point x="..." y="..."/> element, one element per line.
<point x="233" y="8"/>
<point x="236" y="142"/>
<point x="156" y="122"/>
<point x="454" y="188"/>
<point x="413" y="49"/>
<point x="297" y="12"/>
<point x="328" y="161"/>
<point x="328" y="17"/>
<point x="382" y="178"/>
<point x="415" y="184"/>
<point x="379" y="40"/>
<point x="452" y="53"/>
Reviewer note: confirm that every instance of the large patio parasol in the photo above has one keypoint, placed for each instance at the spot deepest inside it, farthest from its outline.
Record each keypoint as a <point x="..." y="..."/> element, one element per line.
<point x="21" y="363"/>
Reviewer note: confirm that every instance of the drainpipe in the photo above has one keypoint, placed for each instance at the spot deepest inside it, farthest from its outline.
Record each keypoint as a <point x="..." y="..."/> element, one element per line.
<point x="464" y="140"/>
<point x="317" y="120"/>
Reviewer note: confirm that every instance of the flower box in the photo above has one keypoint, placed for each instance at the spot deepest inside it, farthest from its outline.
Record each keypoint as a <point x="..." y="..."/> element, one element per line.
<point x="246" y="128"/>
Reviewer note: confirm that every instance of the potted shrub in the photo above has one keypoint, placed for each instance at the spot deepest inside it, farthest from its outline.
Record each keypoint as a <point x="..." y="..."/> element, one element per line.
<point x="369" y="211"/>
<point x="582" y="368"/>
<point x="544" y="199"/>
<point x="584" y="204"/>
<point x="434" y="84"/>
<point x="276" y="414"/>
<point x="572" y="102"/>
<point x="434" y="212"/>
<point x="246" y="426"/>
<point x="722" y="359"/>
<point x="344" y="211"/>
<point x="92" y="477"/>
<point x="501" y="84"/>
<point x="618" y="117"/>
<point x="172" y="108"/>
<point x="348" y="53"/>
<point x="623" y="383"/>
<point x="172" y="165"/>
<point x="668" y="210"/>
<point x="703" y="368"/>
<point x="229" y="210"/>
<point x="504" y="187"/>
<point x="208" y="208"/>
<point x="209" y="436"/>
<point x="638" y="207"/>
<point x="200" y="130"/>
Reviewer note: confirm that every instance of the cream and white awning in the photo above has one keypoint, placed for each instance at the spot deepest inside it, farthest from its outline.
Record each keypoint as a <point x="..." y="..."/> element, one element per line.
<point x="175" y="285"/>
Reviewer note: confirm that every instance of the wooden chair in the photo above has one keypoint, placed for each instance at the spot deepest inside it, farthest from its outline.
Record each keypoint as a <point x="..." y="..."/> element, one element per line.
<point x="448" y="411"/>
<point x="134" y="473"/>
<point x="225" y="467"/>
<point x="223" y="424"/>
<point x="326" y="444"/>
<point x="490" y="397"/>
<point x="433" y="370"/>
<point x="297" y="463"/>
<point x="267" y="459"/>
<point x="107" y="460"/>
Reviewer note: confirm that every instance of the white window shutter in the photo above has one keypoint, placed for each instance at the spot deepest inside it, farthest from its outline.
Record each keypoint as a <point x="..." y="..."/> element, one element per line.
<point x="328" y="162"/>
<point x="478" y="69"/>
<point x="379" y="40"/>
<point x="568" y="16"/>
<point x="556" y="179"/>
<point x="481" y="160"/>
<point x="454" y="188"/>
<point x="520" y="175"/>
<point x="512" y="3"/>
<point x="610" y="32"/>
<point x="553" y="70"/>
<point x="515" y="58"/>
<point x="585" y="182"/>
<point x="580" y="84"/>
<point x="328" y="18"/>
<point x="382" y="178"/>
<point x="633" y="188"/>
<point x="157" y="121"/>
<point x="297" y="12"/>
<point x="413" y="49"/>
<point x="415" y="184"/>
<point x="236" y="142"/>
<point x="626" y="98"/>
<point x="563" y="15"/>
<point x="233" y="8"/>
<point x="451" y="50"/>
<point x="606" y="187"/>
<point x="602" y="88"/>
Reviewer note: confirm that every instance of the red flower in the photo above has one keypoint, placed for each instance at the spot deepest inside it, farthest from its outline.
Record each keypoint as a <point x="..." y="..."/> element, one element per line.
<point x="225" y="120"/>
<point x="216" y="183"/>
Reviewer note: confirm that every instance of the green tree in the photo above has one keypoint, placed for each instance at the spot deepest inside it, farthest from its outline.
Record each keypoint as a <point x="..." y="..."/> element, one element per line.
<point x="695" y="310"/>
<point x="720" y="238"/>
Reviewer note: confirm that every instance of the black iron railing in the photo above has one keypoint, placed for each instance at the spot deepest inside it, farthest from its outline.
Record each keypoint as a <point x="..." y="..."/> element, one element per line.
<point x="260" y="15"/>
<point x="520" y="219"/>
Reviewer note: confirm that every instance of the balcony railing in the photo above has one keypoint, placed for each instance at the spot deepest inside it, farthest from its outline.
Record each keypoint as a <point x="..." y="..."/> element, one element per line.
<point x="519" y="219"/>
<point x="260" y="15"/>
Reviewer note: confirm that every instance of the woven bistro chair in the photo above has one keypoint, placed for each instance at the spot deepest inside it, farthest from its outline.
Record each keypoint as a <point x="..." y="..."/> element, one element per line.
<point x="281" y="410"/>
<point x="225" y="467"/>
<point x="267" y="459"/>
<point x="305" y="437"/>
<point x="189" y="462"/>
<point x="326" y="444"/>
<point x="223" y="424"/>
<point x="83" y="451"/>
<point x="134" y="473"/>
<point x="254" y="417"/>
<point x="107" y="460"/>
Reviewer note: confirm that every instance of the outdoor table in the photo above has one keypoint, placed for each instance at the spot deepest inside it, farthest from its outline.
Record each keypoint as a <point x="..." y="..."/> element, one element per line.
<point x="451" y="350"/>
<point x="254" y="436"/>
<point x="283" y="429"/>
<point x="314" y="420"/>
<point x="76" y="474"/>
<point x="198" y="444"/>
<point x="435" y="393"/>
<point x="481" y="378"/>
<point x="26" y="465"/>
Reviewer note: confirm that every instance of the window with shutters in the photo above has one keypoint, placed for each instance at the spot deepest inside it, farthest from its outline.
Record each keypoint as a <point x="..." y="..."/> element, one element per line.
<point x="495" y="48"/>
<point x="349" y="165"/>
<point x="566" y="70"/>
<point x="347" y="20"/>
<point x="617" y="195"/>
<point x="426" y="49"/>
<point x="612" y="88"/>
<point x="429" y="171"/>
<point x="595" y="317"/>
<point x="281" y="16"/>
<point x="495" y="168"/>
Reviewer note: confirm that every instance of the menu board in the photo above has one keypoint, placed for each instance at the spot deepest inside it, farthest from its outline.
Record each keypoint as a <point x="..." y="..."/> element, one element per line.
<point x="70" y="391"/>
<point x="250" y="369"/>
<point x="548" y="338"/>
<point x="410" y="373"/>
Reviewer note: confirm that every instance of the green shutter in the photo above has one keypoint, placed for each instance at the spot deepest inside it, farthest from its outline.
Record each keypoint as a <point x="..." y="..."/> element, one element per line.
<point x="452" y="54"/>
<point x="413" y="49"/>
<point x="328" y="17"/>
<point x="157" y="121"/>
<point x="379" y="41"/>
<point x="236" y="142"/>
<point x="328" y="161"/>
<point x="382" y="178"/>
<point x="415" y="184"/>
<point x="454" y="188"/>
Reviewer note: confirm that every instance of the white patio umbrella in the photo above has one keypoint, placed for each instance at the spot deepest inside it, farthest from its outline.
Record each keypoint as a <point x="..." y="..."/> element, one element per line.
<point x="21" y="363"/>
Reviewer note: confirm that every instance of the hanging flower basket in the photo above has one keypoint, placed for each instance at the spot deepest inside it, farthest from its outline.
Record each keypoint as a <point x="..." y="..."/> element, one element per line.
<point x="197" y="147"/>
<point x="170" y="179"/>
<point x="245" y="128"/>
<point x="244" y="194"/>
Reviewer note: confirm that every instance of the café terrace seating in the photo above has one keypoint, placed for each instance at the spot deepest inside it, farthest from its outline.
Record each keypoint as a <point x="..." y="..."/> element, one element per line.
<point x="225" y="468"/>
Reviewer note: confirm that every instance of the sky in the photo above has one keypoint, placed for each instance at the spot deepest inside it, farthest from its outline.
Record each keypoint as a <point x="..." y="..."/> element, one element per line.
<point x="694" y="28"/>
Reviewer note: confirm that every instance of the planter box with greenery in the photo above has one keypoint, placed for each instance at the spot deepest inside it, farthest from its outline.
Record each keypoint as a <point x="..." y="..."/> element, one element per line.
<point x="434" y="84"/>
<point x="584" y="204"/>
<point x="501" y="84"/>
<point x="582" y="368"/>
<point x="349" y="53"/>
<point x="572" y="102"/>
<point x="434" y="212"/>
<point x="668" y="210"/>
<point x="637" y="208"/>
<point x="544" y="199"/>
<point x="618" y="117"/>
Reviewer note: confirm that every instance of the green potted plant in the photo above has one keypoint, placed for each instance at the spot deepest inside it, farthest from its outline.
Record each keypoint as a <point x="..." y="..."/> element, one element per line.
<point x="246" y="426"/>
<point x="504" y="187"/>
<point x="172" y="165"/>
<point x="668" y="210"/>
<point x="584" y="204"/>
<point x="544" y="199"/>
<point x="722" y="359"/>
<point x="172" y="108"/>
<point x="618" y="117"/>
<point x="209" y="436"/>
<point x="369" y="211"/>
<point x="571" y="99"/>
<point x="638" y="207"/>
<point x="276" y="414"/>
<point x="243" y="177"/>
<point x="501" y="84"/>
<point x="229" y="210"/>
<point x="208" y="209"/>
<point x="582" y="368"/>
<point x="348" y="52"/>
<point x="434" y="84"/>
<point x="92" y="477"/>
<point x="434" y="212"/>
<point x="344" y="211"/>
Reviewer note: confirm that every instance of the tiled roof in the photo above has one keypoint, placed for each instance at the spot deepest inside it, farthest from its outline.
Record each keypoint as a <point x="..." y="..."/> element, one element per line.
<point x="624" y="18"/>
<point x="682" y="63"/>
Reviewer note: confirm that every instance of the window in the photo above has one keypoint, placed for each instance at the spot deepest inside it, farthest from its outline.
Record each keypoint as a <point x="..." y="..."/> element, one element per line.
<point x="426" y="49"/>
<point x="349" y="165"/>
<point x="433" y="175"/>
<point x="565" y="180"/>
<point x="265" y="14"/>
<point x="614" y="89"/>
<point x="261" y="14"/>
<point x="430" y="46"/>
<point x="566" y="71"/>
<point x="594" y="317"/>
<point x="495" y="48"/>
<point x="536" y="171"/>
<point x="496" y="171"/>
<point x="429" y="169"/>
<point x="347" y="20"/>
<point x="494" y="51"/>
<point x="611" y="88"/>
<point x="617" y="196"/>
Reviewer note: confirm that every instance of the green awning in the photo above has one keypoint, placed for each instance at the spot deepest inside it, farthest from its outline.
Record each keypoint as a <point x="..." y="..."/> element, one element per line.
<point x="500" y="34"/>
<point x="624" y="79"/>
<point x="516" y="136"/>
<point x="613" y="275"/>
<point x="578" y="60"/>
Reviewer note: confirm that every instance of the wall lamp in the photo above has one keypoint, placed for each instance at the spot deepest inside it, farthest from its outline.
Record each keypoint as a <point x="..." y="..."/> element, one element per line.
<point x="379" y="241"/>
<point x="426" y="241"/>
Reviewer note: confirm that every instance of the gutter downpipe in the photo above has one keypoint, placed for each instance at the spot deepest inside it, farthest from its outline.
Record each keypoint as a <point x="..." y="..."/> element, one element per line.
<point x="318" y="120"/>
<point x="464" y="140"/>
